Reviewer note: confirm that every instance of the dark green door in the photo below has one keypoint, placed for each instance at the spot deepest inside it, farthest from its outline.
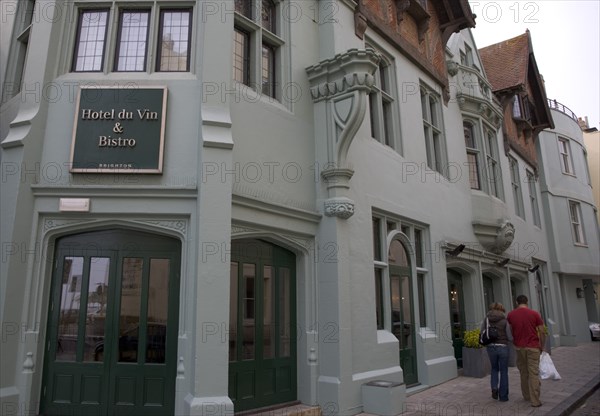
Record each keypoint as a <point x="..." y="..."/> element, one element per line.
<point x="262" y="336"/>
<point x="403" y="321"/>
<point x="112" y="326"/>
<point x="488" y="291"/>
<point x="457" y="313"/>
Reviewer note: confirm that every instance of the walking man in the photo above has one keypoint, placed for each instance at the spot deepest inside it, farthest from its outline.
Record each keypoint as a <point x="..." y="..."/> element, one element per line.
<point x="529" y="339"/>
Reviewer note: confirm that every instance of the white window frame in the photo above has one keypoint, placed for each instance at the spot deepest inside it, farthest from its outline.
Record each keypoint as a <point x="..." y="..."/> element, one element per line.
<point x="404" y="231"/>
<point x="433" y="129"/>
<point x="475" y="151"/>
<point x="383" y="102"/>
<point x="278" y="42"/>
<point x="493" y="168"/>
<point x="111" y="41"/>
<point x="565" y="156"/>
<point x="19" y="47"/>
<point x="576" y="219"/>
<point x="515" y="180"/>
<point x="533" y="199"/>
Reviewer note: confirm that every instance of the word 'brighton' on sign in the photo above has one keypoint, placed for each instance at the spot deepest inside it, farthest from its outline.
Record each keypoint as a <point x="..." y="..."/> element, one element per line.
<point x="122" y="133"/>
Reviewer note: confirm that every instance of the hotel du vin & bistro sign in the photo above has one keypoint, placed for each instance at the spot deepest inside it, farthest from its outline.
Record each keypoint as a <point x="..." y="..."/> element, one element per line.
<point x="119" y="130"/>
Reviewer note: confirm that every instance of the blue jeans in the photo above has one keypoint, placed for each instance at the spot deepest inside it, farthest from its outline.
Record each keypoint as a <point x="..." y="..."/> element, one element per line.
<point x="499" y="361"/>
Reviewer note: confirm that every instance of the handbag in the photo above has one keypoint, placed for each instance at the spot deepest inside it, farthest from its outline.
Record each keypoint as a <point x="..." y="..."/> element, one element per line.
<point x="547" y="369"/>
<point x="489" y="334"/>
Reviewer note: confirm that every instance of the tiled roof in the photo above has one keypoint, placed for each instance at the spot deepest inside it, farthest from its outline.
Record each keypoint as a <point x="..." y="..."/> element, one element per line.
<point x="506" y="62"/>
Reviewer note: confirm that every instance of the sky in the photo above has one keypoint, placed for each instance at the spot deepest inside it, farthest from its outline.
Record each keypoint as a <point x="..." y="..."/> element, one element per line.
<point x="566" y="44"/>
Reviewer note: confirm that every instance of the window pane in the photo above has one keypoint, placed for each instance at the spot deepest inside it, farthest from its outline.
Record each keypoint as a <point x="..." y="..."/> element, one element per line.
<point x="96" y="309"/>
<point x="249" y="326"/>
<point x="158" y="302"/>
<point x="379" y="298"/>
<point x="268" y="15"/>
<point x="241" y="68"/>
<point x="377" y="238"/>
<point x="285" y="334"/>
<point x="473" y="170"/>
<point x="244" y="7"/>
<point x="90" y="43"/>
<point x="133" y="41"/>
<point x="129" y="319"/>
<point x="268" y="70"/>
<point x="419" y="247"/>
<point x="397" y="254"/>
<point x="175" y="41"/>
<point x="421" y="294"/>
<point x="66" y="348"/>
<point x="268" y="313"/>
<point x="407" y="323"/>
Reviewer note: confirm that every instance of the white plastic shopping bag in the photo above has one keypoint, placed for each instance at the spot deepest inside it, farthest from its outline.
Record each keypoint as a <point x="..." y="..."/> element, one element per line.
<point x="547" y="369"/>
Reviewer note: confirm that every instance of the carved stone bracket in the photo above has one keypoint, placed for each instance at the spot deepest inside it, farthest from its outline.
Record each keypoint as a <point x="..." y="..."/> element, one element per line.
<point x="339" y="207"/>
<point x="495" y="237"/>
<point x="339" y="87"/>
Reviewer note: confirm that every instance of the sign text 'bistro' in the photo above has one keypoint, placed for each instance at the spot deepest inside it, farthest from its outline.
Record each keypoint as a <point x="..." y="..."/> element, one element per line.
<point x="118" y="132"/>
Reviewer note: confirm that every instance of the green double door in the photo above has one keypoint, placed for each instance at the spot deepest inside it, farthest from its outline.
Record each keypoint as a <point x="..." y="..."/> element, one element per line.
<point x="262" y="327"/>
<point x="111" y="344"/>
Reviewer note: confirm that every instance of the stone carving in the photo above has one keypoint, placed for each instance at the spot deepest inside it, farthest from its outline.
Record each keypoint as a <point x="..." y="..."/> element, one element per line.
<point x="504" y="237"/>
<point x="28" y="364"/>
<point x="495" y="238"/>
<point x="339" y="207"/>
<point x="339" y="87"/>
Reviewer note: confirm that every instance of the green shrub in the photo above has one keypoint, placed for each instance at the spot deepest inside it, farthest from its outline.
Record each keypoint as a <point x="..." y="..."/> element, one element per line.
<point x="471" y="339"/>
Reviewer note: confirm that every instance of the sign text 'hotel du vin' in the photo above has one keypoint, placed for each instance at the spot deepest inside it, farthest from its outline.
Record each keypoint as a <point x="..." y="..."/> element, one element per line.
<point x="119" y="130"/>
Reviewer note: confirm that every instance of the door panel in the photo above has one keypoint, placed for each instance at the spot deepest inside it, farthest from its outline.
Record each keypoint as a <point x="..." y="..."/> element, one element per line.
<point x="457" y="313"/>
<point x="403" y="319"/>
<point x="112" y="327"/>
<point x="262" y="353"/>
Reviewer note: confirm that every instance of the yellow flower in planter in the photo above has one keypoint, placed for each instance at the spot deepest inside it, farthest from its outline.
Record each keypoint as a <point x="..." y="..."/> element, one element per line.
<point x="471" y="339"/>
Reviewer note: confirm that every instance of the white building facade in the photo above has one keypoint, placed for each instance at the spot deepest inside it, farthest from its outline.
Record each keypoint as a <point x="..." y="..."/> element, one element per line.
<point x="216" y="207"/>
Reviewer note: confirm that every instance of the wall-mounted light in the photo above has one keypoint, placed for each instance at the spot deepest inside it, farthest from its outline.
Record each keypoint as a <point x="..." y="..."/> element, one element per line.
<point x="503" y="262"/>
<point x="579" y="292"/>
<point x="456" y="251"/>
<point x="534" y="268"/>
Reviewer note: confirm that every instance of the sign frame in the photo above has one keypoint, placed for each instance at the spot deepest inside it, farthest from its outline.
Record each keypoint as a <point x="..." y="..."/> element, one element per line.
<point x="163" y="117"/>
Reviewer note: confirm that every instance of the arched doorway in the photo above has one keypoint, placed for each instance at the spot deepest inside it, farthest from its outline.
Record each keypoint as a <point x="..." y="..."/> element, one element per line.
<point x="262" y="327"/>
<point x="403" y="320"/>
<point x="112" y="325"/>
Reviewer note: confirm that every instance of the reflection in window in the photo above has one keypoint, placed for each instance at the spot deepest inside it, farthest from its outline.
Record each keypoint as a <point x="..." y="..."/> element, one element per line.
<point x="284" y="312"/>
<point x="249" y="290"/>
<point x="268" y="313"/>
<point x="268" y="15"/>
<point x="175" y="35"/>
<point x="129" y="319"/>
<point x="241" y="68"/>
<point x="158" y="297"/>
<point x="66" y="348"/>
<point x="96" y="309"/>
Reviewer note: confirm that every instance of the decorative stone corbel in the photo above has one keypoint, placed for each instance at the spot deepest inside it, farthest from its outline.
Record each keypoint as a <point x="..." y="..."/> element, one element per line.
<point x="495" y="237"/>
<point x="339" y="87"/>
<point x="452" y="68"/>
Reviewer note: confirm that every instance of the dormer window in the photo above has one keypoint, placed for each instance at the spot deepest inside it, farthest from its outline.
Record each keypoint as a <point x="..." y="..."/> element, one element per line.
<point x="521" y="110"/>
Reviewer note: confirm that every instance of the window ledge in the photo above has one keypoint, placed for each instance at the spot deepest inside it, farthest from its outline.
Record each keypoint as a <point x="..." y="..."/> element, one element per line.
<point x="583" y="245"/>
<point x="386" y="337"/>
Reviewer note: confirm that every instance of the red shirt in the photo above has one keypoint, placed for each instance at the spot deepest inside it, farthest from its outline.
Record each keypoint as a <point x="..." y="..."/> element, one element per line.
<point x="523" y="322"/>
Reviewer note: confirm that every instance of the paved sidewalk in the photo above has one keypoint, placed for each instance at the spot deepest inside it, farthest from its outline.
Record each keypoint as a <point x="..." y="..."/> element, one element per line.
<point x="579" y="368"/>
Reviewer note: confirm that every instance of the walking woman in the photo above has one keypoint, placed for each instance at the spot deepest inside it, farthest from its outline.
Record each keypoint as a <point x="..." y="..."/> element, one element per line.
<point x="498" y="351"/>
